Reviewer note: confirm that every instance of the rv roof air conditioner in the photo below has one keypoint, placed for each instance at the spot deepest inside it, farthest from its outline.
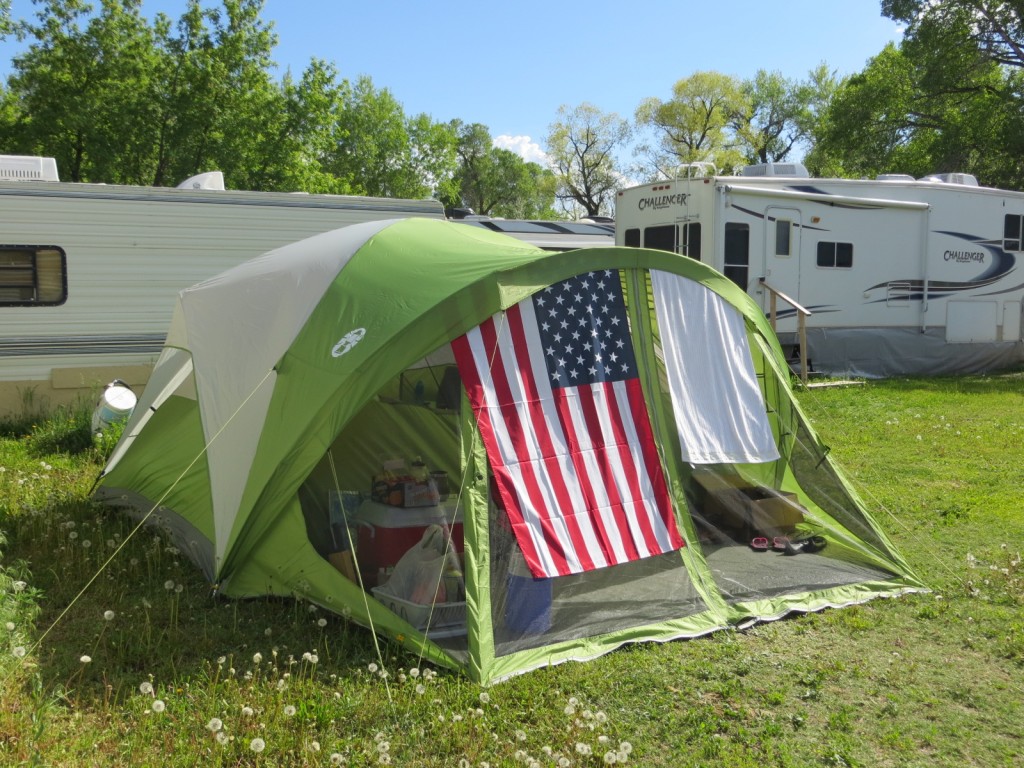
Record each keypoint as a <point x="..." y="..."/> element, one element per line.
<point x="967" y="179"/>
<point x="894" y="177"/>
<point x="208" y="180"/>
<point x="797" y="170"/>
<point x="27" y="168"/>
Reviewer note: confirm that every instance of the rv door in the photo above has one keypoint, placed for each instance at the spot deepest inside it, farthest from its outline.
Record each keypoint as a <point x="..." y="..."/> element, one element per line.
<point x="781" y="253"/>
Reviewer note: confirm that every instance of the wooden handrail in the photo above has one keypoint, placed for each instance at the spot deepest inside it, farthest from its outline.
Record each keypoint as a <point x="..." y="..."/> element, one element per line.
<point x="802" y="313"/>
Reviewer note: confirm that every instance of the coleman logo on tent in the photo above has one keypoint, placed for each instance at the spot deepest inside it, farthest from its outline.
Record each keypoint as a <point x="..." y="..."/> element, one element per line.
<point x="346" y="342"/>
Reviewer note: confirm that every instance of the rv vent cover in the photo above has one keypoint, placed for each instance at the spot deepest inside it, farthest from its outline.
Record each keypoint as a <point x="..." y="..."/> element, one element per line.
<point x="894" y="177"/>
<point x="27" y="168"/>
<point x="776" y="169"/>
<point x="966" y="179"/>
<point x="208" y="180"/>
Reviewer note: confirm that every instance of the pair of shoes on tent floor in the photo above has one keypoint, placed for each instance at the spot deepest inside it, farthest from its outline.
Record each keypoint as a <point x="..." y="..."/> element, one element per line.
<point x="812" y="543"/>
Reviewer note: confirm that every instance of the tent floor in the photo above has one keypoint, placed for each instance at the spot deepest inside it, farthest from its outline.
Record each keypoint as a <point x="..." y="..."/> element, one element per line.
<point x="744" y="574"/>
<point x="741" y="573"/>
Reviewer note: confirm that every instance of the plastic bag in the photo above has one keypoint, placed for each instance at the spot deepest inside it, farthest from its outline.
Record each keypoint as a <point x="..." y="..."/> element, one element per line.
<point x="417" y="577"/>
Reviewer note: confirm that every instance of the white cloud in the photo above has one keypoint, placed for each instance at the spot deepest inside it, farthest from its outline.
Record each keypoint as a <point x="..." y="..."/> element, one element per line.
<point x="523" y="146"/>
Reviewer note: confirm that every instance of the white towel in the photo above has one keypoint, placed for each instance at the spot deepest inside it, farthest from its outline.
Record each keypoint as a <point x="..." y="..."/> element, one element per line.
<point x="719" y="409"/>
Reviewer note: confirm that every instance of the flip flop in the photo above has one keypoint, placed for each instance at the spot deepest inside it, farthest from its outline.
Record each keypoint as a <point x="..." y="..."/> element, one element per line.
<point x="759" y="544"/>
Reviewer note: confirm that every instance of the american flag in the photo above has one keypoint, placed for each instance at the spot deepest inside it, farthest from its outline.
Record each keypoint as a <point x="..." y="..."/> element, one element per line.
<point x="553" y="382"/>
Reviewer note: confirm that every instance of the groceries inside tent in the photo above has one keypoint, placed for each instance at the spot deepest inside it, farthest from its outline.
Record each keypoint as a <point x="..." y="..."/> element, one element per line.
<point x="502" y="457"/>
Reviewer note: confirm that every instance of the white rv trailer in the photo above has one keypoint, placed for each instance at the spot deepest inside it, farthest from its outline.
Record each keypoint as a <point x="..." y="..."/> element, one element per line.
<point x="89" y="272"/>
<point x="901" y="276"/>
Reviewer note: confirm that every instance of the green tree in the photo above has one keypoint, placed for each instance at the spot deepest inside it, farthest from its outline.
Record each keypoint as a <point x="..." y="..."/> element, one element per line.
<point x="376" y="151"/>
<point x="939" y="101"/>
<point x="993" y="27"/>
<point x="76" y="88"/>
<point x="582" y="145"/>
<point x="691" y="127"/>
<point x="779" y="115"/>
<point x="212" y="95"/>
<point x="496" y="182"/>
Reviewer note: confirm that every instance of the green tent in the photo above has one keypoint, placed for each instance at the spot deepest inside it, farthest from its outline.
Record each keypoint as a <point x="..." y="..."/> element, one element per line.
<point x="503" y="457"/>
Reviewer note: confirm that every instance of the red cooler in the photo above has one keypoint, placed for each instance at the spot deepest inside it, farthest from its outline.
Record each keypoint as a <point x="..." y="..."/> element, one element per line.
<point x="385" y="533"/>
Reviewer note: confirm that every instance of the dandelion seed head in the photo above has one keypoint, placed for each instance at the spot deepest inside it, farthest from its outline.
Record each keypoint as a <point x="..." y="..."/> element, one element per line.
<point x="372" y="666"/>
<point x="19" y="652"/>
<point x="337" y="759"/>
<point x="485" y="697"/>
<point x="10" y="626"/>
<point x="257" y="745"/>
<point x="215" y="724"/>
<point x="625" y="746"/>
<point x="108" y="615"/>
<point x="321" y="622"/>
<point x="222" y="737"/>
<point x="610" y="758"/>
<point x="169" y="585"/>
<point x="247" y="712"/>
<point x="420" y="688"/>
<point x="85" y="659"/>
<point x="257" y="658"/>
<point x="158" y="705"/>
<point x="289" y="711"/>
<point x="520" y="735"/>
<point x="19" y="586"/>
<point x="146" y="688"/>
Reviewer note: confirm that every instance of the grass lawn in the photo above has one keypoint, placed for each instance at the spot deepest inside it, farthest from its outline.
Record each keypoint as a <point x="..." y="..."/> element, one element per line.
<point x="148" y="668"/>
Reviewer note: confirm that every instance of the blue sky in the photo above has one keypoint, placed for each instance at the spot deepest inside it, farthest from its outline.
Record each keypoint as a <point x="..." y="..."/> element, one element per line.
<point x="511" y="66"/>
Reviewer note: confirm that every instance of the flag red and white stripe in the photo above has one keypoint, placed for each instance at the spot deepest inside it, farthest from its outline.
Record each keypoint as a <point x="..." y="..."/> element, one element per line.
<point x="554" y="387"/>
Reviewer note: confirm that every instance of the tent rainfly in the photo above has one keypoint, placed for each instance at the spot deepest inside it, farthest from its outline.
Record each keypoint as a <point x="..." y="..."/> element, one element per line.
<point x="503" y="457"/>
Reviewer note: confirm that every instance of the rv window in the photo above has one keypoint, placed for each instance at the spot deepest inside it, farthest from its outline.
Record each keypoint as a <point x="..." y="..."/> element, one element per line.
<point x="835" y="255"/>
<point x="632" y="238"/>
<point x="664" y="238"/>
<point x="1011" y="232"/>
<point x="691" y="240"/>
<point x="737" y="253"/>
<point x="782" y="232"/>
<point x="32" y="275"/>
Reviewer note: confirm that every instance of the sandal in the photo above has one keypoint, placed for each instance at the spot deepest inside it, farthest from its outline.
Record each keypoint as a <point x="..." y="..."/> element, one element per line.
<point x="759" y="544"/>
<point x="780" y="543"/>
